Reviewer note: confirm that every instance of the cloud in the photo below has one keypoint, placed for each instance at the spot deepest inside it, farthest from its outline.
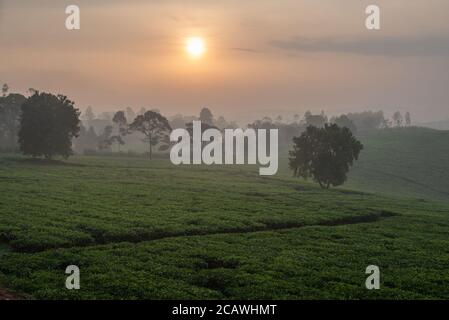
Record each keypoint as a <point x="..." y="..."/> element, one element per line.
<point x="249" y="50"/>
<point x="382" y="46"/>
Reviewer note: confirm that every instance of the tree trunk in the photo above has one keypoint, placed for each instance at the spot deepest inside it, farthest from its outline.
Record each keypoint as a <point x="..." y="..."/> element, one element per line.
<point x="321" y="184"/>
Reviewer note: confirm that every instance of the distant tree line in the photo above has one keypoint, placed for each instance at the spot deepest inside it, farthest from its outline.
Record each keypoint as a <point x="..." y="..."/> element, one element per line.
<point x="143" y="130"/>
<point x="357" y="122"/>
<point x="130" y="127"/>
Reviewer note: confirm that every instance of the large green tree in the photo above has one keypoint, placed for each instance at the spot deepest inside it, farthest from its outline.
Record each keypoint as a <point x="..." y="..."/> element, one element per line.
<point x="325" y="154"/>
<point x="48" y="124"/>
<point x="155" y="127"/>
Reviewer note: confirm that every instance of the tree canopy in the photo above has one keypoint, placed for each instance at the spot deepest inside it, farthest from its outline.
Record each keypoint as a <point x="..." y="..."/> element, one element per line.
<point x="206" y="116"/>
<point x="47" y="125"/>
<point x="154" y="126"/>
<point x="325" y="154"/>
<point x="344" y="121"/>
<point x="315" y="120"/>
<point x="10" y="108"/>
<point x="397" y="118"/>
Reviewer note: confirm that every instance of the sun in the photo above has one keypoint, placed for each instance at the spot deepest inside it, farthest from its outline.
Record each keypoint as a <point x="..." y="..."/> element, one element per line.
<point x="195" y="47"/>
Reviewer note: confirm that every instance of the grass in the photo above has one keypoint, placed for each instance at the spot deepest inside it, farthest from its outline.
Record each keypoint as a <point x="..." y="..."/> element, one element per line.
<point x="141" y="229"/>
<point x="400" y="162"/>
<point x="97" y="200"/>
<point x="410" y="162"/>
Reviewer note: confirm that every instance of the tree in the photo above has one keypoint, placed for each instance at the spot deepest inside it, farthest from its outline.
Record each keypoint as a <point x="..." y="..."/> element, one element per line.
<point x="206" y="116"/>
<point x="204" y="127"/>
<point x="122" y="123"/>
<point x="5" y="89"/>
<point x="177" y="121"/>
<point x="367" y="120"/>
<point x="397" y="118"/>
<point x="48" y="124"/>
<point x="386" y="124"/>
<point x="154" y="126"/>
<point x="222" y="123"/>
<point x="10" y="108"/>
<point x="118" y="140"/>
<point x="105" y="139"/>
<point x="87" y="140"/>
<point x="120" y="119"/>
<point x="315" y="120"/>
<point x="89" y="115"/>
<point x="325" y="154"/>
<point x="408" y="119"/>
<point x="32" y="91"/>
<point x="344" y="121"/>
<point x="91" y="136"/>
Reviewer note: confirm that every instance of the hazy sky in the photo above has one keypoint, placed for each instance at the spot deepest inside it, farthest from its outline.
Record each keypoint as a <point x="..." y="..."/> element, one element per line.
<point x="263" y="56"/>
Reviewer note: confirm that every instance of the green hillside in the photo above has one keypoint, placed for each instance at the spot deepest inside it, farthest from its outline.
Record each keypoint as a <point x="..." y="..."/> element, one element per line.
<point x="399" y="162"/>
<point x="409" y="162"/>
<point x="147" y="229"/>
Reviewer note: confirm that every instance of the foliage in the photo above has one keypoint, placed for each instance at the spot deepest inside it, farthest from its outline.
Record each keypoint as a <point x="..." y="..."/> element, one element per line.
<point x="315" y="120"/>
<point x="286" y="131"/>
<point x="47" y="125"/>
<point x="121" y="122"/>
<point x="325" y="154"/>
<point x="154" y="126"/>
<point x="368" y="120"/>
<point x="408" y="119"/>
<point x="120" y="119"/>
<point x="105" y="139"/>
<point x="398" y="119"/>
<point x="180" y="121"/>
<point x="89" y="115"/>
<point x="10" y="108"/>
<point x="206" y="116"/>
<point x="5" y="89"/>
<point x="344" y="121"/>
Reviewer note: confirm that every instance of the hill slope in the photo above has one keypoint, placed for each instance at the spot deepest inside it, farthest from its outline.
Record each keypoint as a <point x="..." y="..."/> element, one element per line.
<point x="141" y="229"/>
<point x="408" y="162"/>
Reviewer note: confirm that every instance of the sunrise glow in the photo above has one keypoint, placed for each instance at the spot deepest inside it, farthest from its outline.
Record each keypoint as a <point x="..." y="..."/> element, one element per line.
<point x="195" y="47"/>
